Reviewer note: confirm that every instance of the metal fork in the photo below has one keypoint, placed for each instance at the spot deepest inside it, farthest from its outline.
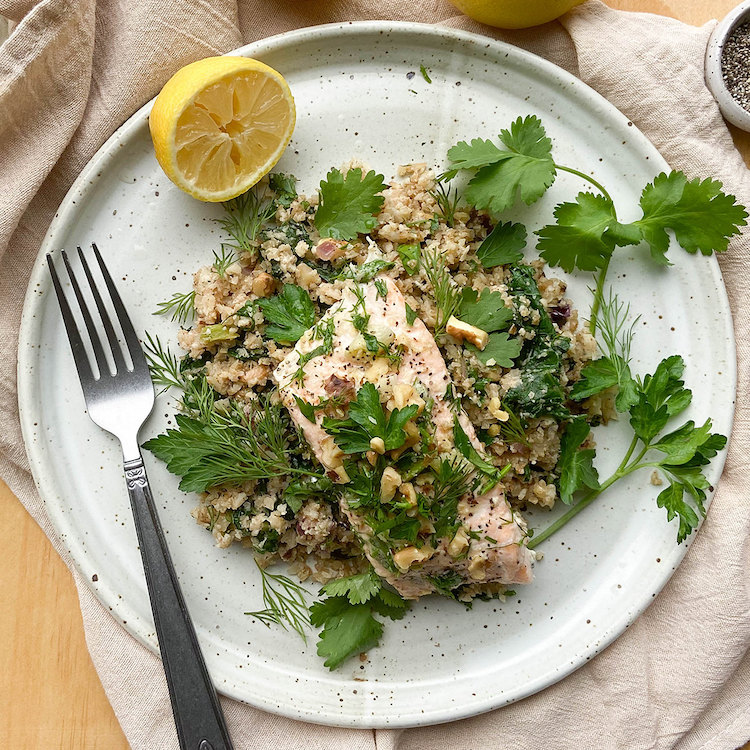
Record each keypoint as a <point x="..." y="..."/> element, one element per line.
<point x="120" y="402"/>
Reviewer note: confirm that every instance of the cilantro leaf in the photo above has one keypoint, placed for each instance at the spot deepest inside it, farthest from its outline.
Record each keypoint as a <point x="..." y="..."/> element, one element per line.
<point x="478" y="153"/>
<point x="357" y="589"/>
<point x="500" y="351"/>
<point x="486" y="310"/>
<point x="348" y="205"/>
<point x="702" y="217"/>
<point x="575" y="465"/>
<point x="527" y="171"/>
<point x="503" y="245"/>
<point x="410" y="257"/>
<point x="672" y="499"/>
<point x="347" y="630"/>
<point x="346" y="616"/>
<point x="579" y="239"/>
<point x="288" y="315"/>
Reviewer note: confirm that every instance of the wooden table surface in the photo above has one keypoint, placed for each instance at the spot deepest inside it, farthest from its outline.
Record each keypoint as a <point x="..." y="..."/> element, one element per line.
<point x="50" y="695"/>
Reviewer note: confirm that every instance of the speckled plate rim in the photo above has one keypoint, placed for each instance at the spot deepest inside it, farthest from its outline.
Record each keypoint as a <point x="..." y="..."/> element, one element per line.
<point x="31" y="323"/>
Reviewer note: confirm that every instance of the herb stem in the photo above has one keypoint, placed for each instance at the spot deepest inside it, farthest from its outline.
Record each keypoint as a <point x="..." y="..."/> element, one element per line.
<point x="602" y="275"/>
<point x="586" y="177"/>
<point x="626" y="467"/>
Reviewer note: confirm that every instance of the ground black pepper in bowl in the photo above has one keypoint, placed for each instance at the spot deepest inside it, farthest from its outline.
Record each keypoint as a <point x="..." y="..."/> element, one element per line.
<point x="735" y="65"/>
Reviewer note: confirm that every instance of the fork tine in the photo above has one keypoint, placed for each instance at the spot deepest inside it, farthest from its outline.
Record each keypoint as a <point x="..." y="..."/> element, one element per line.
<point x="96" y="343"/>
<point x="114" y="344"/>
<point x="131" y="339"/>
<point x="80" y="358"/>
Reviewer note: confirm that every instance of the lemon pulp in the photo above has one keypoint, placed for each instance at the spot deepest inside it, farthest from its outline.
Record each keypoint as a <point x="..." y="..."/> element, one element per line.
<point x="220" y="124"/>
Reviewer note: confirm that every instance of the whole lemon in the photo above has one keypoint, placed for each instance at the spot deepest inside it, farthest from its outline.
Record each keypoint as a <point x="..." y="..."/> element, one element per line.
<point x="514" y="14"/>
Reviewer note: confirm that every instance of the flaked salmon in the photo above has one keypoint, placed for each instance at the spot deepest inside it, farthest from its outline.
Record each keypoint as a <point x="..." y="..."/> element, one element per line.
<point x="331" y="362"/>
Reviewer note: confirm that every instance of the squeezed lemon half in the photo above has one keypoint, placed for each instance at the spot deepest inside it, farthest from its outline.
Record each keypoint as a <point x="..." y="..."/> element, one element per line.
<point x="220" y="124"/>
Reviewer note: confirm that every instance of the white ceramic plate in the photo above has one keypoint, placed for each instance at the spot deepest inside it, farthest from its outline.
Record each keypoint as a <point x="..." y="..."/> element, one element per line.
<point x="358" y="96"/>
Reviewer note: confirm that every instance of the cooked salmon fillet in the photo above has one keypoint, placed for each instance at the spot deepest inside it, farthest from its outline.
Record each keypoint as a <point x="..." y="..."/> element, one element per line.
<point x="496" y="550"/>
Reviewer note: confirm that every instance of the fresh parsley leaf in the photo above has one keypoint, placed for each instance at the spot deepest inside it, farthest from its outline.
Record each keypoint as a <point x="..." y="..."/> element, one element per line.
<point x="603" y="373"/>
<point x="308" y="410"/>
<point x="672" y="499"/>
<point x="411" y="315"/>
<point x="681" y="445"/>
<point x="348" y="204"/>
<point x="382" y="289"/>
<point x="702" y="217"/>
<point x="357" y="589"/>
<point x="410" y="257"/>
<point x="472" y="455"/>
<point x="486" y="310"/>
<point x="579" y="239"/>
<point x="304" y="488"/>
<point x="646" y="419"/>
<point x="367" y="420"/>
<point x="665" y="386"/>
<point x="503" y="245"/>
<point x="285" y="187"/>
<point x="424" y="73"/>
<point x="527" y="171"/>
<point x="288" y="315"/>
<point x="575" y="465"/>
<point x="501" y="350"/>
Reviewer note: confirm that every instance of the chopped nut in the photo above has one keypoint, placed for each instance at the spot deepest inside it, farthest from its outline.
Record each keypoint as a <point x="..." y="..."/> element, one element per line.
<point x="493" y="430"/>
<point x="378" y="445"/>
<point x="656" y="479"/>
<point x="459" y="543"/>
<point x="371" y="457"/>
<point x="465" y="332"/>
<point x="402" y="392"/>
<point x="477" y="569"/>
<point x="389" y="482"/>
<point x="407" y="556"/>
<point x="408" y="491"/>
<point x="263" y="284"/>
<point x="496" y="409"/>
<point x="331" y="453"/>
<point x="343" y="477"/>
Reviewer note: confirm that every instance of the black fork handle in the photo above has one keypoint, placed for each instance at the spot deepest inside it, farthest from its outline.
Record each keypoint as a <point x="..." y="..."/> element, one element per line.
<point x="195" y="705"/>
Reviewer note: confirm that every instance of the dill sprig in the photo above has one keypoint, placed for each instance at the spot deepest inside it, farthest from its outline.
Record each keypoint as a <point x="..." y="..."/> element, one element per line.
<point x="285" y="603"/>
<point x="162" y="364"/>
<point x="447" y="200"/>
<point x="245" y="216"/>
<point x="613" y="328"/>
<point x="180" y="307"/>
<point x="513" y="430"/>
<point x="224" y="258"/>
<point x="444" y="289"/>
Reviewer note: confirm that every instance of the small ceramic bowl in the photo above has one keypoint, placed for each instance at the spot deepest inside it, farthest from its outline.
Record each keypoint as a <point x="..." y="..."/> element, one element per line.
<point x="729" y="107"/>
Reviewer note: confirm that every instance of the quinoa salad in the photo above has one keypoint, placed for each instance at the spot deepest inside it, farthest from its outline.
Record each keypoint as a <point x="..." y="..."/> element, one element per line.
<point x="378" y="379"/>
<point x="412" y="246"/>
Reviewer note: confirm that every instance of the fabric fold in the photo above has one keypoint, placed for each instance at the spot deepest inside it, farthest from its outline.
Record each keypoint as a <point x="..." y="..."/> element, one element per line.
<point x="71" y="72"/>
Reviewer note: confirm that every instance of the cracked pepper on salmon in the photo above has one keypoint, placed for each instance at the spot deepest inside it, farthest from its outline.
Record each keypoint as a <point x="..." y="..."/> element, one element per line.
<point x="487" y="541"/>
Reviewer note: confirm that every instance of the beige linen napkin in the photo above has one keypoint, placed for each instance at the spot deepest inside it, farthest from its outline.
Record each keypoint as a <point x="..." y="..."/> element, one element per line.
<point x="73" y="70"/>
